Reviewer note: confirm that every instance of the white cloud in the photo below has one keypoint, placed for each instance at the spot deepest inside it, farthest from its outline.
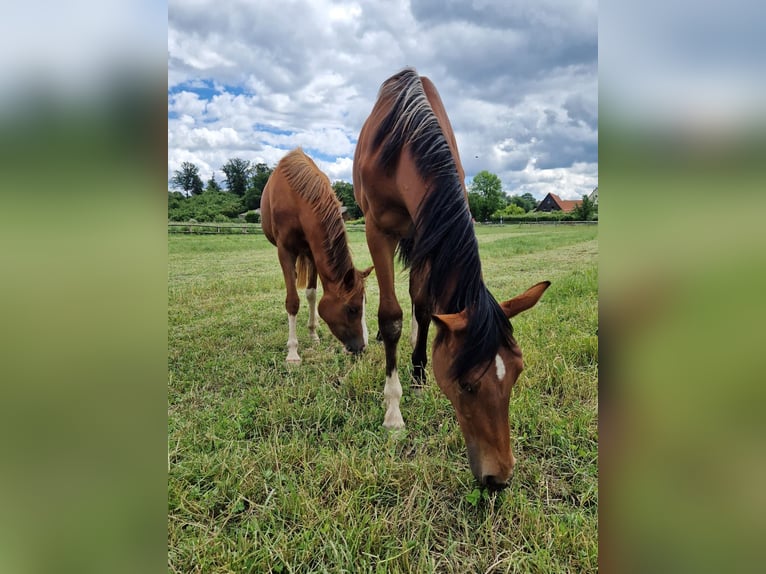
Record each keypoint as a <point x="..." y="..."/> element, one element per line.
<point x="520" y="86"/>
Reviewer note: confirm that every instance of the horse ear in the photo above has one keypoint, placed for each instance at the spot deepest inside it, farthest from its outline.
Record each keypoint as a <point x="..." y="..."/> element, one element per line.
<point x="453" y="321"/>
<point x="366" y="272"/>
<point x="526" y="300"/>
<point x="349" y="278"/>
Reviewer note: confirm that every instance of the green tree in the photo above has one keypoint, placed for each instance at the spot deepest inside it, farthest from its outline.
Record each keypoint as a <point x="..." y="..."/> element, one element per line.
<point x="345" y="193"/>
<point x="475" y="205"/>
<point x="489" y="188"/>
<point x="175" y="200"/>
<point x="187" y="178"/>
<point x="208" y="206"/>
<point x="259" y="176"/>
<point x="212" y="184"/>
<point x="509" y="210"/>
<point x="586" y="209"/>
<point x="531" y="201"/>
<point x="237" y="171"/>
<point x="527" y="201"/>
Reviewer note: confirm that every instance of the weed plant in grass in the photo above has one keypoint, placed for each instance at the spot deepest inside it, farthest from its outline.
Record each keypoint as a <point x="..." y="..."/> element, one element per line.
<point x="274" y="468"/>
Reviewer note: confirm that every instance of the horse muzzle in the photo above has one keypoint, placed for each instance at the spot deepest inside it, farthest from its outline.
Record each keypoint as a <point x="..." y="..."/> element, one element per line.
<point x="493" y="482"/>
<point x="355" y="348"/>
<point x="490" y="473"/>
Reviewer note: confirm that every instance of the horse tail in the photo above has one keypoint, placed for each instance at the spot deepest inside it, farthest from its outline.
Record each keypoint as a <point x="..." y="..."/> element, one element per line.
<point x="304" y="267"/>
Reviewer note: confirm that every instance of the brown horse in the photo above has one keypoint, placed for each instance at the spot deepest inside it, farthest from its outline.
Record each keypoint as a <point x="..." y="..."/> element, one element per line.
<point x="301" y="216"/>
<point x="409" y="182"/>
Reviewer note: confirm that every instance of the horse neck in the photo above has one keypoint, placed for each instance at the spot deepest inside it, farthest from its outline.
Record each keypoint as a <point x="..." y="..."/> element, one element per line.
<point x="332" y="257"/>
<point x="455" y="285"/>
<point x="443" y="301"/>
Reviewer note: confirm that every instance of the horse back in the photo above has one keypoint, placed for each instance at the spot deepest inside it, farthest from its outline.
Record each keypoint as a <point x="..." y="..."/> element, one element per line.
<point x="280" y="209"/>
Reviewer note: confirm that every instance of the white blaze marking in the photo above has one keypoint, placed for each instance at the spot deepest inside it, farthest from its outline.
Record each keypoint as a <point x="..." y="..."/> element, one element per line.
<point x="392" y="393"/>
<point x="500" y="366"/>
<point x="365" y="334"/>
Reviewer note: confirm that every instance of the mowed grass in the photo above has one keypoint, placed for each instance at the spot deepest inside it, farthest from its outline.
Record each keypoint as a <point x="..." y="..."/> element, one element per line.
<point x="282" y="469"/>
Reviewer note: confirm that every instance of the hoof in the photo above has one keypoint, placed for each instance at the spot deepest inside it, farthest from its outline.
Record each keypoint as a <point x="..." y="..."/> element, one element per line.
<point x="394" y="426"/>
<point x="293" y="361"/>
<point x="394" y="422"/>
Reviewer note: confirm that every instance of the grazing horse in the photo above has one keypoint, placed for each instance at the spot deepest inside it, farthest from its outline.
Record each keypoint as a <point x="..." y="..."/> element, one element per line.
<point x="409" y="182"/>
<point x="300" y="214"/>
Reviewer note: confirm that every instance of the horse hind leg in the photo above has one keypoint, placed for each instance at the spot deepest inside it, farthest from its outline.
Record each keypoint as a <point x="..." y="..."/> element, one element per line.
<point x="414" y="331"/>
<point x="292" y="304"/>
<point x="310" y="271"/>
<point x="292" y="341"/>
<point x="420" y="323"/>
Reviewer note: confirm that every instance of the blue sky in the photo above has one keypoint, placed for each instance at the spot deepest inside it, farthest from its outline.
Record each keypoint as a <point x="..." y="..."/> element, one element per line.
<point x="519" y="81"/>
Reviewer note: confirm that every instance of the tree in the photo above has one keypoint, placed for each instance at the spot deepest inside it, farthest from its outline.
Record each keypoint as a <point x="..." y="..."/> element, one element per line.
<point x="508" y="211"/>
<point x="259" y="176"/>
<point x="527" y="201"/>
<point x="531" y="201"/>
<point x="208" y="206"/>
<point x="237" y="171"/>
<point x="187" y="178"/>
<point x="488" y="197"/>
<point x="475" y="203"/>
<point x="585" y="210"/>
<point x="212" y="184"/>
<point x="345" y="193"/>
<point x="175" y="200"/>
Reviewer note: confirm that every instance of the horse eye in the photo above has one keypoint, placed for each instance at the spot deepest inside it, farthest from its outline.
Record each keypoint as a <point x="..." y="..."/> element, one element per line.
<point x="467" y="387"/>
<point x="353" y="310"/>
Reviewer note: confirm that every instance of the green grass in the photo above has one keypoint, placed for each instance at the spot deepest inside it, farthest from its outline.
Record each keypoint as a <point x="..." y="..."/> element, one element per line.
<point x="282" y="469"/>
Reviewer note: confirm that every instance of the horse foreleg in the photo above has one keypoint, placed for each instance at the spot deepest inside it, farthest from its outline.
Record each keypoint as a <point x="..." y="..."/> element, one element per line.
<point x="311" y="298"/>
<point x="421" y="320"/>
<point x="292" y="303"/>
<point x="382" y="248"/>
<point x="391" y="330"/>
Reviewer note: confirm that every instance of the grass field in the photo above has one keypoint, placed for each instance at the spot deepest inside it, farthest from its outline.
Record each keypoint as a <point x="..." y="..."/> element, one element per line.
<point x="282" y="469"/>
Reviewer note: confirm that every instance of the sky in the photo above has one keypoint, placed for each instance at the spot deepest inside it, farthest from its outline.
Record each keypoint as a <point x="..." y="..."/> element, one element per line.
<point x="519" y="81"/>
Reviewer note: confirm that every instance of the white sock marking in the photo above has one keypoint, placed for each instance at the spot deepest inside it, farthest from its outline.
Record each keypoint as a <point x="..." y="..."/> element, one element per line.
<point x="500" y="366"/>
<point x="292" y="341"/>
<point x="392" y="394"/>
<point x="311" y="297"/>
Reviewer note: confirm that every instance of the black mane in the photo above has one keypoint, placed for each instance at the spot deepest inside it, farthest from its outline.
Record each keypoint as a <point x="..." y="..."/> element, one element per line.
<point x="444" y="237"/>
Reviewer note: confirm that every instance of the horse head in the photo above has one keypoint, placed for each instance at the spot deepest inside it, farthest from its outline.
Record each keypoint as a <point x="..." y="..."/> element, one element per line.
<point x="342" y="308"/>
<point x="481" y="398"/>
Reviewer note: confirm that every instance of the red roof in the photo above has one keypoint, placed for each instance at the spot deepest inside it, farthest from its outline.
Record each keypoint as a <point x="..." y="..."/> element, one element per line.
<point x="566" y="205"/>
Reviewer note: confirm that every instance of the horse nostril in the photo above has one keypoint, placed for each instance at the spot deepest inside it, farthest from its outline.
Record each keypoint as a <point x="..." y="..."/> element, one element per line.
<point x="493" y="483"/>
<point x="354" y="349"/>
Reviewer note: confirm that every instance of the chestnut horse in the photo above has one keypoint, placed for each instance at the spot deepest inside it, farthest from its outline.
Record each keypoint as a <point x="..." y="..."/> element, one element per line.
<point x="409" y="182"/>
<point x="300" y="214"/>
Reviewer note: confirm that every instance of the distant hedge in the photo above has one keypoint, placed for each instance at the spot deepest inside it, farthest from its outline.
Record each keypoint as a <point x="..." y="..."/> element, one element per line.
<point x="534" y="216"/>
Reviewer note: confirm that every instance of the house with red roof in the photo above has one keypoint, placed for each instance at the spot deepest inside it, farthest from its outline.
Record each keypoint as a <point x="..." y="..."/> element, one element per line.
<point x="553" y="202"/>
